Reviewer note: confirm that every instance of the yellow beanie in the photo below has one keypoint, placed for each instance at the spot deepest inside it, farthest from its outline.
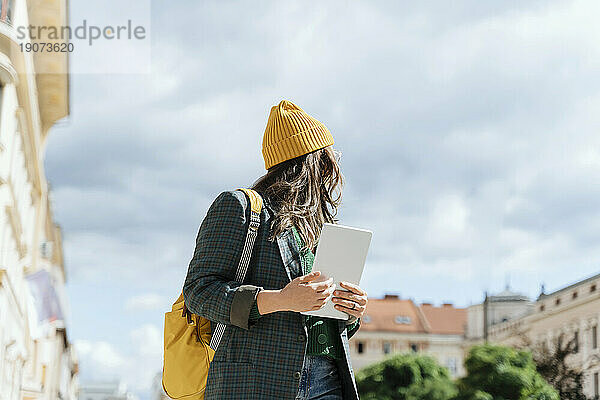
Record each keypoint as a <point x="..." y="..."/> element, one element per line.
<point x="291" y="133"/>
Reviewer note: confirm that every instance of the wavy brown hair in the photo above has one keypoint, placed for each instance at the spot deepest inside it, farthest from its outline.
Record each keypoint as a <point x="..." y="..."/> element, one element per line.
<point x="305" y="192"/>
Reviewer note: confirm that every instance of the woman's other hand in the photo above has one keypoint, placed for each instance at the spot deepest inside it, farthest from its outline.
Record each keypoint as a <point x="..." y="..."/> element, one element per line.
<point x="352" y="301"/>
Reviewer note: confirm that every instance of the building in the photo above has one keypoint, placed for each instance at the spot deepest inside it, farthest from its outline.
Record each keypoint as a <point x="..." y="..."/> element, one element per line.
<point x="573" y="311"/>
<point x="505" y="306"/>
<point x="36" y="357"/>
<point x="393" y="325"/>
<point x="110" y="390"/>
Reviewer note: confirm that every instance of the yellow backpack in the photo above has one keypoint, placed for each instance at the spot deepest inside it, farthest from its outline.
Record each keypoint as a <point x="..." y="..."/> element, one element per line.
<point x="189" y="346"/>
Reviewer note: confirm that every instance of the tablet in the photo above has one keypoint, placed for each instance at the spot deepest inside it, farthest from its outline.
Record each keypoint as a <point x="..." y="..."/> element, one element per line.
<point x="341" y="255"/>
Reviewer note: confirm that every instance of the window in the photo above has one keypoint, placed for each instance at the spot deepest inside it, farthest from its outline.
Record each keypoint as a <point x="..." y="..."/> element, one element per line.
<point x="595" y="337"/>
<point x="360" y="347"/>
<point x="387" y="347"/>
<point x="596" y="386"/>
<point x="557" y="302"/>
<point x="542" y="308"/>
<point x="574" y="295"/>
<point x="414" y="347"/>
<point x="402" y="319"/>
<point x="593" y="288"/>
<point x="6" y="10"/>
<point x="451" y="365"/>
<point x="576" y="341"/>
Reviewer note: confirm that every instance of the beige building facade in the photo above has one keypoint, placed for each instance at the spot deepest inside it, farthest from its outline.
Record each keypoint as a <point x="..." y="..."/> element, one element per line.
<point x="573" y="311"/>
<point x="37" y="360"/>
<point x="392" y="325"/>
<point x="504" y="306"/>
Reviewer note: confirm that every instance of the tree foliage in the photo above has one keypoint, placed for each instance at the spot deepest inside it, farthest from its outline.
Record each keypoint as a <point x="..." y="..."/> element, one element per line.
<point x="552" y="364"/>
<point x="502" y="373"/>
<point x="405" y="377"/>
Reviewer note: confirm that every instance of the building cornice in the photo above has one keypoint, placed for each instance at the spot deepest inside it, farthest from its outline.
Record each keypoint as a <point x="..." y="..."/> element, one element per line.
<point x="15" y="223"/>
<point x="31" y="150"/>
<point x="592" y="361"/>
<point x="52" y="68"/>
<point x="513" y="325"/>
<point x="5" y="282"/>
<point x="8" y="74"/>
<point x="573" y="286"/>
<point x="16" y="72"/>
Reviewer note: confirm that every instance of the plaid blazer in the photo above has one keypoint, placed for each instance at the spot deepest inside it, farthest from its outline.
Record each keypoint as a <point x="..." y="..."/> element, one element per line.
<point x="260" y="360"/>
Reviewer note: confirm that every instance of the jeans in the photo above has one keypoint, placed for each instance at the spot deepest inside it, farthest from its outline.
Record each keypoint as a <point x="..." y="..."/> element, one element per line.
<point x="320" y="379"/>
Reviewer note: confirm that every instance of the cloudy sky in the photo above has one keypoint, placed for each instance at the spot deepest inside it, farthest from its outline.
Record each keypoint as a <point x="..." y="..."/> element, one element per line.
<point x="469" y="133"/>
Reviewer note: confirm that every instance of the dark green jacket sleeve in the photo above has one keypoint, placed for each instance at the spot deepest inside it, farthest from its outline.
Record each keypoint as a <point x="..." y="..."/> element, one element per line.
<point x="353" y="327"/>
<point x="209" y="289"/>
<point x="254" y="313"/>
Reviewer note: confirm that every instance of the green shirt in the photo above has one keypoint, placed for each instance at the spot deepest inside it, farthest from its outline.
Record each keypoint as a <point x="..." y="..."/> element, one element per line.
<point x="323" y="336"/>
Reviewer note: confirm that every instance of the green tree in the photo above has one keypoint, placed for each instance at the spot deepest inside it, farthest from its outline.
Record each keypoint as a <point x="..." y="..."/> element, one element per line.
<point x="405" y="377"/>
<point x="502" y="373"/>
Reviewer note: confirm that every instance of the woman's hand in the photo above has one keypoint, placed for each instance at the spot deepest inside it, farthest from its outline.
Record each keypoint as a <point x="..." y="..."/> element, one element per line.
<point x="352" y="301"/>
<point x="301" y="294"/>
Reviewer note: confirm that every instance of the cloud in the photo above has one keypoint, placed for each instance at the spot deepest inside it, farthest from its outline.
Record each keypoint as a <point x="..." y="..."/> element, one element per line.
<point x="468" y="132"/>
<point x="147" y="301"/>
<point x="448" y="223"/>
<point x="102" y="356"/>
<point x="148" y="340"/>
<point x="136" y="369"/>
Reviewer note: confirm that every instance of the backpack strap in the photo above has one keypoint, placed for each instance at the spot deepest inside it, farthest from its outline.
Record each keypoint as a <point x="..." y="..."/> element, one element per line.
<point x="256" y="204"/>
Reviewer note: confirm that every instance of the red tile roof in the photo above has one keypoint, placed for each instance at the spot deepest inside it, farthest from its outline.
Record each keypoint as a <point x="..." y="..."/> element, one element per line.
<point x="382" y="313"/>
<point x="445" y="319"/>
<point x="392" y="314"/>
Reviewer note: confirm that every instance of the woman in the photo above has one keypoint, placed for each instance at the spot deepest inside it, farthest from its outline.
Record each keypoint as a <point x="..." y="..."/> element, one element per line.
<point x="269" y="350"/>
